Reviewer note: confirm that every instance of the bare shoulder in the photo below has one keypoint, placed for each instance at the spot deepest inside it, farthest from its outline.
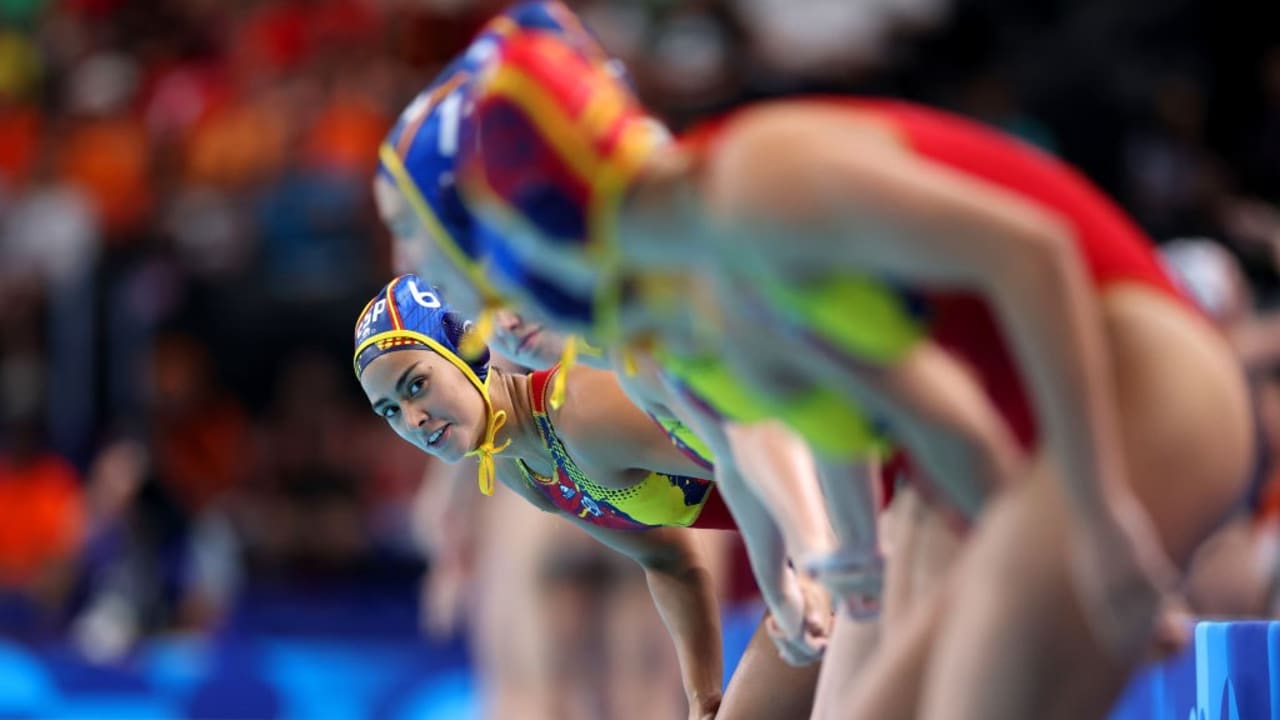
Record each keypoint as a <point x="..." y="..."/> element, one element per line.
<point x="771" y="123"/>
<point x="779" y="157"/>
<point x="595" y="406"/>
<point x="607" y="432"/>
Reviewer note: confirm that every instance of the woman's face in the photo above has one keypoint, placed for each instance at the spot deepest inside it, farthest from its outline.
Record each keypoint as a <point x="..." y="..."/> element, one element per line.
<point x="427" y="401"/>
<point x="526" y="342"/>
<point x="415" y="250"/>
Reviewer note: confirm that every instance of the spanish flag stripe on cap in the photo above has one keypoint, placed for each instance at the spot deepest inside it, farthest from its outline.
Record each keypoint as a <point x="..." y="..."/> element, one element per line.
<point x="581" y="151"/>
<point x="548" y="117"/>
<point x="391" y="305"/>
<point x="516" y="133"/>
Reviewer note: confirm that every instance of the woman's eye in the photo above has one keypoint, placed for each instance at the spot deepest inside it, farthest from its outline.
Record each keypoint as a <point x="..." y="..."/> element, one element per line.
<point x="416" y="387"/>
<point x="390" y="412"/>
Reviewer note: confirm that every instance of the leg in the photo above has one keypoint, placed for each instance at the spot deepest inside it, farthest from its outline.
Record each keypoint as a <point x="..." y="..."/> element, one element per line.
<point x="1017" y="644"/>
<point x="525" y="662"/>
<point x="852" y="644"/>
<point x="508" y="646"/>
<point x="1230" y="574"/>
<point x="1014" y="643"/>
<point x="922" y="546"/>
<point x="890" y="684"/>
<point x="643" y="678"/>
<point x="764" y="687"/>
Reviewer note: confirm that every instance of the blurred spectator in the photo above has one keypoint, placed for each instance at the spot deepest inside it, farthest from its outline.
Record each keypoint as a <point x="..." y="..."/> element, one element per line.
<point x="1262" y="162"/>
<point x="346" y="132"/>
<point x="200" y="434"/>
<point x="329" y="491"/>
<point x="691" y="55"/>
<point x="210" y="230"/>
<point x="181" y="94"/>
<point x="105" y="150"/>
<point x="49" y="233"/>
<point x="41" y="519"/>
<point x="111" y="620"/>
<point x="826" y="39"/>
<point x="19" y="65"/>
<point x="313" y="247"/>
<point x="1171" y="174"/>
<point x="242" y="142"/>
<point x="990" y="97"/>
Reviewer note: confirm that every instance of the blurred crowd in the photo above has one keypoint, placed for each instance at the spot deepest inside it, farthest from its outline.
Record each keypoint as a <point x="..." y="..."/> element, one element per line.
<point x="187" y="233"/>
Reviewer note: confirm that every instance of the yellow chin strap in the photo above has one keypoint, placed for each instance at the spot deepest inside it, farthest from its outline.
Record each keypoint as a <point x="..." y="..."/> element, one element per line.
<point x="487" y="449"/>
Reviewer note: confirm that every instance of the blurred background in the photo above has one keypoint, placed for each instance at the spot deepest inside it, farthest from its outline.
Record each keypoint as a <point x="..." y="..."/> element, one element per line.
<point x="198" y="515"/>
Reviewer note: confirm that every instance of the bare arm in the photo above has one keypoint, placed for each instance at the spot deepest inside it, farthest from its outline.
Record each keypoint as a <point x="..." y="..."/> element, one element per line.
<point x="958" y="437"/>
<point x="775" y="464"/>
<point x="684" y="594"/>
<point x="758" y="523"/>
<point x="765" y="513"/>
<point x="780" y="469"/>
<point x="869" y="207"/>
<point x="682" y="591"/>
<point x="766" y="545"/>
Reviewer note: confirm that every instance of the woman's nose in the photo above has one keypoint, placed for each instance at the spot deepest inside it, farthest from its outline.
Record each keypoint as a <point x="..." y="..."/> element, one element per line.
<point x="507" y="321"/>
<point x="418" y="416"/>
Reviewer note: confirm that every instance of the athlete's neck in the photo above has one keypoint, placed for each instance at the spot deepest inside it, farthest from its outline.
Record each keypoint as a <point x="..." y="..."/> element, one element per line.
<point x="510" y="393"/>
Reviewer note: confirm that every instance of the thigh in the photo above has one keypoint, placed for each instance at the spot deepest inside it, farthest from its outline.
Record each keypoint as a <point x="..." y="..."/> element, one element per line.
<point x="851" y="647"/>
<point x="763" y="687"/>
<point x="1014" y="643"/>
<point x="1184" y="415"/>
<point x="889" y="685"/>
<point x="1230" y="575"/>
<point x="921" y="549"/>
<point x="921" y="546"/>
<point x="514" y="647"/>
<point x="643" y="676"/>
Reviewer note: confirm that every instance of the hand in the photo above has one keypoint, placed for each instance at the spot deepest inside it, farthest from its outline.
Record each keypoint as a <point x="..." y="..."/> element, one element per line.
<point x="855" y="579"/>
<point x="704" y="706"/>
<point x="1121" y="574"/>
<point x="1175" y="627"/>
<point x="800" y="624"/>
